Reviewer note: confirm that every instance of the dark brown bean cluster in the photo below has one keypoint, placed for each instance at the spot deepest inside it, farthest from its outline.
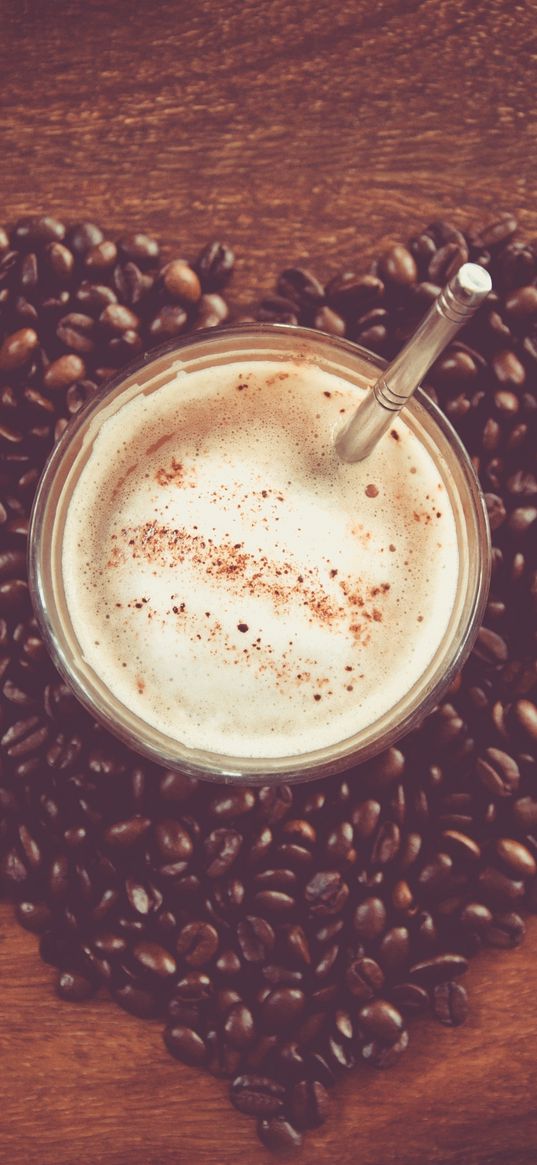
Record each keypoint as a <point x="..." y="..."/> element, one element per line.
<point x="281" y="934"/>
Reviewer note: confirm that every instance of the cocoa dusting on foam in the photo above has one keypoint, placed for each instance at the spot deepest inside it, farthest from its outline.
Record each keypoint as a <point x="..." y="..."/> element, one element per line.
<point x="247" y="574"/>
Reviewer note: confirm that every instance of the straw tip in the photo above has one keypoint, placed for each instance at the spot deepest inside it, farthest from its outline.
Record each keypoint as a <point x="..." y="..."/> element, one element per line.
<point x="474" y="280"/>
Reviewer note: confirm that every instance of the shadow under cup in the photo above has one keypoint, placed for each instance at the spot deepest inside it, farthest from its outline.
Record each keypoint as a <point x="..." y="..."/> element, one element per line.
<point x="210" y="349"/>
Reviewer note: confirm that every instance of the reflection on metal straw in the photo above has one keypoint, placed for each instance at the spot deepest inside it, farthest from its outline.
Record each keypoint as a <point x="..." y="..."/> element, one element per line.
<point x="454" y="306"/>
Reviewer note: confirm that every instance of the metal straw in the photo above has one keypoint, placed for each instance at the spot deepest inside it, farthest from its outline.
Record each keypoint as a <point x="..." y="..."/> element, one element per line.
<point x="456" y="303"/>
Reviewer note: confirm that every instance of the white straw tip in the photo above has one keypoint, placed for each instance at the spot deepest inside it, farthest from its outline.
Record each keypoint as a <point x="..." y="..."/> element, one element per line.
<point x="474" y="280"/>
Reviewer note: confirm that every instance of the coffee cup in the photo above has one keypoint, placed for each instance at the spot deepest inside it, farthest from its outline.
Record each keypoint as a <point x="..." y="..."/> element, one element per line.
<point x="223" y="592"/>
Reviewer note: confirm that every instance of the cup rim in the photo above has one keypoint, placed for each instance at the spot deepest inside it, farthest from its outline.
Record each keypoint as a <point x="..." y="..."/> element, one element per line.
<point x="222" y="768"/>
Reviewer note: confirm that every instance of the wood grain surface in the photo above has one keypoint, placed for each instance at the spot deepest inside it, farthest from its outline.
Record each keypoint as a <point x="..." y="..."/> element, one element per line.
<point x="309" y="131"/>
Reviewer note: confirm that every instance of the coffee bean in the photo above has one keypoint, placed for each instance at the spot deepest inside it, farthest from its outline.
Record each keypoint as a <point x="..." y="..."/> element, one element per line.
<point x="185" y="1044"/>
<point x="445" y="263"/>
<point x="398" y="266"/>
<point x="381" y="1055"/>
<point x="499" y="889"/>
<point x="393" y="950"/>
<point x="352" y="295"/>
<point x="137" y="247"/>
<point x="450" y="1003"/>
<point x="37" y="231"/>
<point x="173" y="841"/>
<point x="63" y="372"/>
<point x="76" y="332"/>
<point x="515" y="858"/>
<point x="499" y="231"/>
<point x="498" y="772"/>
<point x="300" y="286"/>
<point x="369" y="919"/>
<point x="124" y="834"/>
<point x="18" y="349"/>
<point x="256" y="938"/>
<point x="328" y="320"/>
<point x="309" y="1104"/>
<point x="281" y="1008"/>
<point x="197" y="943"/>
<point x="438" y="969"/>
<point x="409" y="998"/>
<point x="214" y="265"/>
<point x="34" y="916"/>
<point x="221" y="847"/>
<point x="154" y="959"/>
<point x="181" y="282"/>
<point x="257" y="1095"/>
<point x="136" y="1000"/>
<point x="73" y="987"/>
<point x="506" y="930"/>
<point x="380" y="1020"/>
<point x="278" y="1135"/>
<point x="364" y="978"/>
<point x="326" y="893"/>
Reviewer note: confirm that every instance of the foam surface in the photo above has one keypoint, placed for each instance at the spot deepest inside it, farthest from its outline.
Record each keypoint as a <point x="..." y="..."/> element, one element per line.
<point x="239" y="587"/>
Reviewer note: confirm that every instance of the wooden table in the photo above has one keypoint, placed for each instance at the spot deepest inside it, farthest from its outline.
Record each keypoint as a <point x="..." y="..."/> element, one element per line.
<point x="306" y="131"/>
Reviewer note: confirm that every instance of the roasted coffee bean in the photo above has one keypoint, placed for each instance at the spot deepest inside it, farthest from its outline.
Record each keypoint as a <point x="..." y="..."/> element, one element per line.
<point x="185" y="1044"/>
<point x="446" y="262"/>
<point x="36" y="231"/>
<point x="409" y="998"/>
<point x="74" y="987"/>
<point x="222" y="847"/>
<point x="369" y="919"/>
<point x="76" y="332"/>
<point x="398" y="266"/>
<point x="281" y="1008"/>
<point x="352" y="295"/>
<point x="450" y="1003"/>
<point x="278" y="1135"/>
<point x="380" y="1020"/>
<point x="170" y="321"/>
<point x="328" y="320"/>
<point x="173" y="842"/>
<point x="364" y="818"/>
<point x="100" y="258"/>
<point x="18" y="349"/>
<point x="515" y="858"/>
<point x="34" y="916"/>
<point x="226" y="806"/>
<point x="137" y="1000"/>
<point x="301" y="286"/>
<point x="154" y="959"/>
<point x="137" y="247"/>
<point x="381" y="1055"/>
<point x="364" y="978"/>
<point x="505" y="930"/>
<point x="181" y="282"/>
<point x="257" y="1095"/>
<point x="326" y="893"/>
<point x="393" y="950"/>
<point x="124" y="834"/>
<point x="63" y="372"/>
<point x="438" y="969"/>
<point x="309" y="1104"/>
<point x="499" y="889"/>
<point x="197" y="943"/>
<point x="256" y="938"/>
<point x="214" y="265"/>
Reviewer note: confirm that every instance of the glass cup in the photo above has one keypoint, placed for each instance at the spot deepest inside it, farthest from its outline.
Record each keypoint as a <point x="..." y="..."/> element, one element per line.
<point x="256" y="343"/>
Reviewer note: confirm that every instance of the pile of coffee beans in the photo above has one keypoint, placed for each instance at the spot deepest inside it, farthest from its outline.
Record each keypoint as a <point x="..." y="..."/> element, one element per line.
<point x="281" y="933"/>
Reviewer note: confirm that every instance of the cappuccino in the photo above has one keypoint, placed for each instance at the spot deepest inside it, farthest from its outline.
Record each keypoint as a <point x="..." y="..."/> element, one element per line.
<point x="233" y="583"/>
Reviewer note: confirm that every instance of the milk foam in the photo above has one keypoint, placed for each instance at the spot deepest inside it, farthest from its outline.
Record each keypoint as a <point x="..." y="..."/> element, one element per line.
<point x="239" y="587"/>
